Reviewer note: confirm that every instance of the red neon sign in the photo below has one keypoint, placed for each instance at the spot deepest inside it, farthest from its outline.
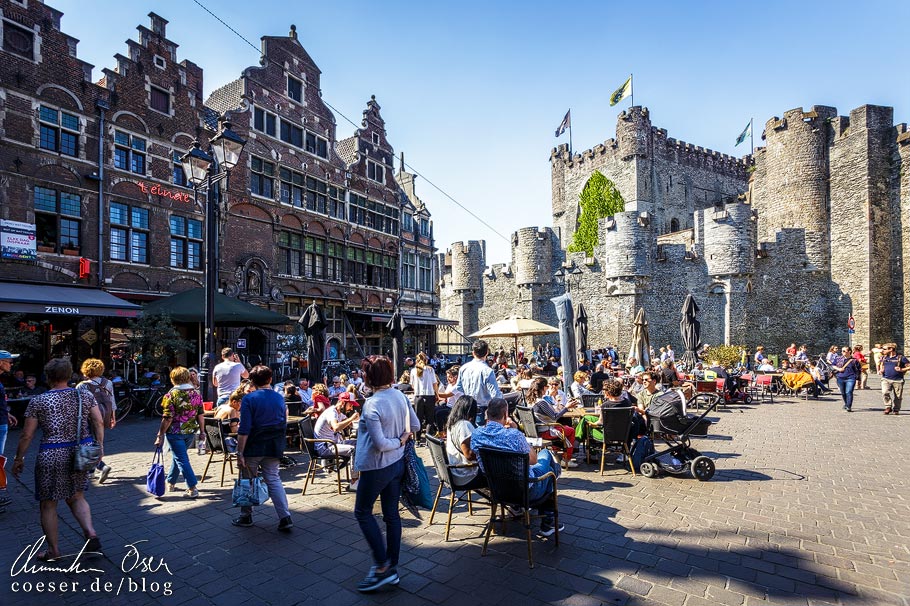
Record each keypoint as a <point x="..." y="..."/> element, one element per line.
<point x="157" y="190"/>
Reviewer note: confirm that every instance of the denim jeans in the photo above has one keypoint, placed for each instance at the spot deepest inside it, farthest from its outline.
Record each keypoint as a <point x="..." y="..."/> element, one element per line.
<point x="269" y="468"/>
<point x="384" y="483"/>
<point x="3" y="431"/>
<point x="481" y="418"/>
<point x="846" y="391"/>
<point x="222" y="400"/>
<point x="545" y="462"/>
<point x="179" y="443"/>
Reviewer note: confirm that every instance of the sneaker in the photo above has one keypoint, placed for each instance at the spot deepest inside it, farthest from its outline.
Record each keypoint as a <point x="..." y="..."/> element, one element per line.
<point x="547" y="528"/>
<point x="374" y="580"/>
<point x="172" y="487"/>
<point x="571" y="464"/>
<point x="352" y="487"/>
<point x="620" y="458"/>
<point x="105" y="471"/>
<point x="887" y="411"/>
<point x="285" y="524"/>
<point x="191" y="493"/>
<point x="245" y="520"/>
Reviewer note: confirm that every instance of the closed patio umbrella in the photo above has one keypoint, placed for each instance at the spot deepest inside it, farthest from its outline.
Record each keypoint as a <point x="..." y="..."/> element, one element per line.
<point x="690" y="331"/>
<point x="396" y="328"/>
<point x="641" y="345"/>
<point x="581" y="328"/>
<point x="566" y="317"/>
<point x="314" y="325"/>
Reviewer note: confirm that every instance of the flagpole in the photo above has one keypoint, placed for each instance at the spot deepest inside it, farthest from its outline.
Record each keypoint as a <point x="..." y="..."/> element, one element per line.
<point x="752" y="137"/>
<point x="632" y="90"/>
<point x="570" y="135"/>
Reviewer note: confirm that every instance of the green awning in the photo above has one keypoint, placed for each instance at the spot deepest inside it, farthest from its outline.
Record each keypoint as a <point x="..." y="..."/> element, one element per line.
<point x="189" y="307"/>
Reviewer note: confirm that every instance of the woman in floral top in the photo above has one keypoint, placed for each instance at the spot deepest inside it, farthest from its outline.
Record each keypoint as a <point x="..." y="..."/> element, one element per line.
<point x="183" y="414"/>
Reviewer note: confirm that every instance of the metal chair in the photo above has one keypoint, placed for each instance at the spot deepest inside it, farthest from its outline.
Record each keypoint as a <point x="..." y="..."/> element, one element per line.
<point x="507" y="476"/>
<point x="529" y="424"/>
<point x="446" y="479"/>
<point x="592" y="400"/>
<point x="318" y="462"/>
<point x="616" y="424"/>
<point x="214" y="442"/>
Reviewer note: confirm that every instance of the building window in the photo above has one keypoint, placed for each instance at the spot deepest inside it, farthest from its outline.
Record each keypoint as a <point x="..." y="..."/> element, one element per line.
<point x="59" y="131"/>
<point x="186" y="243"/>
<point x="129" y="152"/>
<point x="57" y="219"/>
<point x="375" y="171"/>
<point x="316" y="195"/>
<point x="674" y="225"/>
<point x="179" y="176"/>
<point x="160" y="100"/>
<point x="375" y="138"/>
<point x="264" y="121"/>
<point x="261" y="183"/>
<point x="291" y="187"/>
<point x="424" y="274"/>
<point x="291" y="134"/>
<point x="408" y="271"/>
<point x="18" y="40"/>
<point x="356" y="272"/>
<point x="407" y="222"/>
<point x="317" y="145"/>
<point x="335" y="261"/>
<point x="336" y="203"/>
<point x="295" y="89"/>
<point x="314" y="258"/>
<point x="375" y="215"/>
<point x="289" y="253"/>
<point x="129" y="233"/>
<point x="425" y="228"/>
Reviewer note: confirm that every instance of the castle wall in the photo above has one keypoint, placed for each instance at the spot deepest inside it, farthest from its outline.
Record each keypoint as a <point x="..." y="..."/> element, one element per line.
<point x="901" y="230"/>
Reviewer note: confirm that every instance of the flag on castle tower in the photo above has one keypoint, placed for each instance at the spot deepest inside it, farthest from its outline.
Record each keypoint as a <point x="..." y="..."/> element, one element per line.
<point x="622" y="92"/>
<point x="746" y="133"/>
<point x="566" y="123"/>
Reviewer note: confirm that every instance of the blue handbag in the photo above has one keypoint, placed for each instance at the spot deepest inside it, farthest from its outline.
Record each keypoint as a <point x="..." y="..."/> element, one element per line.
<point x="154" y="481"/>
<point x="415" y="486"/>
<point x="249" y="492"/>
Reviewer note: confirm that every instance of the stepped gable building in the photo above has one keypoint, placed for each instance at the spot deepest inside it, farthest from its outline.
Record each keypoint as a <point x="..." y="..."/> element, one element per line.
<point x="92" y="169"/>
<point x="780" y="247"/>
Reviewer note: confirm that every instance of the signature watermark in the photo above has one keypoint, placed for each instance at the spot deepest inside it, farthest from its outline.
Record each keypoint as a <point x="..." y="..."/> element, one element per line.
<point x="134" y="566"/>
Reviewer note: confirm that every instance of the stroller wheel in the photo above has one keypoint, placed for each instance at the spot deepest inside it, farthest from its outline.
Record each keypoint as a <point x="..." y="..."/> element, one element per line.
<point x="747" y="399"/>
<point x="702" y="468"/>
<point x="649" y="469"/>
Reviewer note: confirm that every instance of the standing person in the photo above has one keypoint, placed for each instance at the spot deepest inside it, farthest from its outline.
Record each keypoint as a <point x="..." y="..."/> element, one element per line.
<point x="892" y="367"/>
<point x="476" y="379"/>
<point x="56" y="412"/>
<point x="759" y="356"/>
<point x="863" y="364"/>
<point x="791" y="351"/>
<point x="425" y="386"/>
<point x="671" y="355"/>
<point x="227" y="375"/>
<point x="848" y="371"/>
<point x="194" y="378"/>
<point x="103" y="390"/>
<point x="260" y="444"/>
<point x="379" y="458"/>
<point x="180" y="422"/>
<point x="521" y="353"/>
<point x="7" y="420"/>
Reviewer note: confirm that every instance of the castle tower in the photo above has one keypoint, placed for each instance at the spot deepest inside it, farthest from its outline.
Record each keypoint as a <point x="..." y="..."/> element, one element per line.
<point x="790" y="186"/>
<point x="535" y="257"/>
<point x="634" y="138"/>
<point x="468" y="261"/>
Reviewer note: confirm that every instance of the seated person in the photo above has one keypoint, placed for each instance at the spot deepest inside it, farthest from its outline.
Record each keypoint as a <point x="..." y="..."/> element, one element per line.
<point x="356" y="381"/>
<point x="668" y="376"/>
<point x="336" y="388"/>
<point x="229" y="415"/>
<point x="321" y="400"/>
<point x="577" y="388"/>
<point x="614" y="397"/>
<point x="501" y="433"/>
<point x="634" y="367"/>
<point x="31" y="387"/>
<point x="601" y="374"/>
<point x="404" y="382"/>
<point x="292" y="399"/>
<point x="765" y="366"/>
<point x="331" y="424"/>
<point x="651" y="386"/>
<point x="459" y="429"/>
<point x="305" y="393"/>
<point x="524" y="378"/>
<point x="547" y="410"/>
<point x="819" y="378"/>
<point x="554" y="391"/>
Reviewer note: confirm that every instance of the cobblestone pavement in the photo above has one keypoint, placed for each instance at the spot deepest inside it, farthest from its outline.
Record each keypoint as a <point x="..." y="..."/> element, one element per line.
<point x="810" y="505"/>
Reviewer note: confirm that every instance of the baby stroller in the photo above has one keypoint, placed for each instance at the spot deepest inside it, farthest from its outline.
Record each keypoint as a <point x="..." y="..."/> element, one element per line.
<point x="669" y="422"/>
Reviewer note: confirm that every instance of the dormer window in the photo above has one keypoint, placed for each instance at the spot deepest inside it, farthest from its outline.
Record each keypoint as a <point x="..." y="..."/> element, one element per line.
<point x="375" y="171"/>
<point x="295" y="89"/>
<point x="160" y="100"/>
<point x="376" y="138"/>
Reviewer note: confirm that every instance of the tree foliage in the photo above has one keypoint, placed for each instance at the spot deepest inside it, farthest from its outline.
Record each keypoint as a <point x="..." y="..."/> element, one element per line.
<point x="727" y="355"/>
<point x="13" y="338"/>
<point x="598" y="199"/>
<point x="155" y="341"/>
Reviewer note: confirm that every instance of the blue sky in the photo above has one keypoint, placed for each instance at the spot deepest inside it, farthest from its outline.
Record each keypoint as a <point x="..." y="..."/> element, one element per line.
<point x="472" y="91"/>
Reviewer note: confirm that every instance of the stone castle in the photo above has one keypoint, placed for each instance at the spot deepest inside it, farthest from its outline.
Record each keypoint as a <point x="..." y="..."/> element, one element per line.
<point x="781" y="246"/>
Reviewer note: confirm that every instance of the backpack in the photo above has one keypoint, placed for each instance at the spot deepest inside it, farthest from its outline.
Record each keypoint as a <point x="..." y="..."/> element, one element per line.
<point x="103" y="396"/>
<point x="642" y="448"/>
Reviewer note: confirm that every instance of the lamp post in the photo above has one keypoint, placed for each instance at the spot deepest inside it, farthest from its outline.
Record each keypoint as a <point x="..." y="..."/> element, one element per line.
<point x="205" y="171"/>
<point x="564" y="275"/>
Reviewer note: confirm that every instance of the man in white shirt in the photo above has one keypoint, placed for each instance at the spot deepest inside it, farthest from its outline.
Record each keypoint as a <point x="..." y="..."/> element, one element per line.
<point x="477" y="379"/>
<point x="305" y="393"/>
<point x="227" y="375"/>
<point x="355" y="378"/>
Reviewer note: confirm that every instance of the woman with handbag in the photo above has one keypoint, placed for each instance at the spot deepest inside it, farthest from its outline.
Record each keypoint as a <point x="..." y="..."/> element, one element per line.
<point x="380" y="460"/>
<point x="181" y="421"/>
<point x="64" y="415"/>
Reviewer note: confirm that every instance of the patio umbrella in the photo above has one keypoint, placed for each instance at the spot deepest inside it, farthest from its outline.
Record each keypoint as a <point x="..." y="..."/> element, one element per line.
<point x="514" y="326"/>
<point x="690" y="330"/>
<point x="581" y="329"/>
<point x="314" y="325"/>
<point x="396" y="328"/>
<point x="641" y="346"/>
<point x="564" y="312"/>
<point x="189" y="306"/>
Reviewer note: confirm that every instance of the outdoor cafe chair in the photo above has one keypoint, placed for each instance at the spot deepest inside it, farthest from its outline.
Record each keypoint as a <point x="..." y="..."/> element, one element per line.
<point x="530" y="425"/>
<point x="335" y="462"/>
<point x="591" y="400"/>
<point x="447" y="480"/>
<point x="214" y="442"/>
<point x="507" y="477"/>
<point x="616" y="424"/>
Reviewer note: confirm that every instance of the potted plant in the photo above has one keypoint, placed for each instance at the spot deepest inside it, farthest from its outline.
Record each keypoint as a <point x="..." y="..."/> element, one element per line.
<point x="71" y="249"/>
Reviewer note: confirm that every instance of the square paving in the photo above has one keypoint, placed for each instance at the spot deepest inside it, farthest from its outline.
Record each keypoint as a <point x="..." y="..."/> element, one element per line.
<point x="810" y="505"/>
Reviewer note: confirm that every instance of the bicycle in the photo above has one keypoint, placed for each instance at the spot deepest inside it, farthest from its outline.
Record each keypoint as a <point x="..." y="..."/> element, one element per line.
<point x="146" y="400"/>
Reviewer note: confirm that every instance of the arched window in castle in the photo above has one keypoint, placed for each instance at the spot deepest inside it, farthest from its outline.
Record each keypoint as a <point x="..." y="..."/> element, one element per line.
<point x="674" y="225"/>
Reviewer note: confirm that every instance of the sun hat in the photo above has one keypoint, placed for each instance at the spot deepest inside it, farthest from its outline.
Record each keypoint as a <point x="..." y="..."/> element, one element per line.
<point x="5" y="355"/>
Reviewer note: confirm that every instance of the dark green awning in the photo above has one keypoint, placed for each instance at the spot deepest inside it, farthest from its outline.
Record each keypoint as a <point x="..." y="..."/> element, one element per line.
<point x="189" y="306"/>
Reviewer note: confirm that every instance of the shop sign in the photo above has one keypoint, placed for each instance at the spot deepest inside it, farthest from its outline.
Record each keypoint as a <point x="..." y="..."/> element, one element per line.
<point x="157" y="190"/>
<point x="17" y="240"/>
<point x="90" y="337"/>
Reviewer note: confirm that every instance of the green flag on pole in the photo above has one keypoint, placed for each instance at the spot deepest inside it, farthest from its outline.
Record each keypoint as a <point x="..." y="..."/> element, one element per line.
<point x="746" y="133"/>
<point x="622" y="92"/>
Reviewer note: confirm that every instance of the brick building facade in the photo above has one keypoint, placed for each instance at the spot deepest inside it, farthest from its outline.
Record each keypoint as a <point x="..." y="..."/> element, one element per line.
<point x="305" y="216"/>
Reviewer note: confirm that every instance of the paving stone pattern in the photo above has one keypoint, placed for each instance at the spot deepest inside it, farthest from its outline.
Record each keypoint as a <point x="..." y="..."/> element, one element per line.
<point x="810" y="506"/>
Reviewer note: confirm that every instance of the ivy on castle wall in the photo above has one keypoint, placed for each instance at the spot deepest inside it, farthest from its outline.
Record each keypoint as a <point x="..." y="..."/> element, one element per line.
<point x="598" y="199"/>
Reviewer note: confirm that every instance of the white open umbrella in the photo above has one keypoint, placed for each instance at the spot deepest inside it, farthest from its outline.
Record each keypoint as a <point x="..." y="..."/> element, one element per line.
<point x="514" y="326"/>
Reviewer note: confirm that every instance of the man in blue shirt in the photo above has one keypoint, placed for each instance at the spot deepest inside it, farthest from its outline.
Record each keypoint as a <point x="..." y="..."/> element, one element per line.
<point x="260" y="443"/>
<point x="477" y="379"/>
<point x="501" y="432"/>
<point x="892" y="367"/>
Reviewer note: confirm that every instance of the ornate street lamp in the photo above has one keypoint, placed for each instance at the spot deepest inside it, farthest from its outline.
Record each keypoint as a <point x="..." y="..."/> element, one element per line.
<point x="204" y="172"/>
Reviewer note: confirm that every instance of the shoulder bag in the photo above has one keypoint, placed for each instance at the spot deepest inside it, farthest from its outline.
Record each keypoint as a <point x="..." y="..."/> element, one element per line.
<point x="248" y="492"/>
<point x="415" y="487"/>
<point x="87" y="455"/>
<point x="154" y="480"/>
